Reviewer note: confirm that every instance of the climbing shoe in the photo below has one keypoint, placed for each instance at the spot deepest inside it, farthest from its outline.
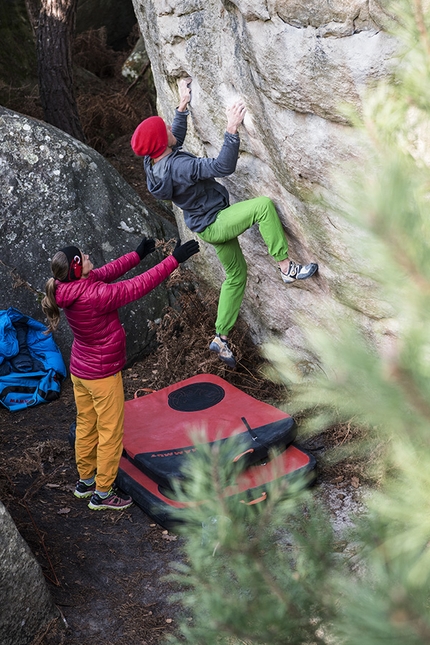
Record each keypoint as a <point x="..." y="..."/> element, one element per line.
<point x="299" y="271"/>
<point x="112" y="500"/>
<point x="221" y="347"/>
<point x="84" y="490"/>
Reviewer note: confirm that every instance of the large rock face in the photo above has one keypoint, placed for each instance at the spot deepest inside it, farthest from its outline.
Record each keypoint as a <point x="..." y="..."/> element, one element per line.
<point x="294" y="63"/>
<point x="56" y="191"/>
<point x="26" y="605"/>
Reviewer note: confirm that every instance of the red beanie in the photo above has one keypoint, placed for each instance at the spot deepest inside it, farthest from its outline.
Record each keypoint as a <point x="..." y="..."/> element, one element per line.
<point x="150" y="137"/>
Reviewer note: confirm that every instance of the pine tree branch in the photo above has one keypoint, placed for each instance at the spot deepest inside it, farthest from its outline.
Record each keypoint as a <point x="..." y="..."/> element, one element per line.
<point x="403" y="377"/>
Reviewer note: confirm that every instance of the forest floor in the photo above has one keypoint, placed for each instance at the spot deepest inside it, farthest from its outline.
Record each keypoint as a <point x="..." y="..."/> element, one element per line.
<point x="106" y="571"/>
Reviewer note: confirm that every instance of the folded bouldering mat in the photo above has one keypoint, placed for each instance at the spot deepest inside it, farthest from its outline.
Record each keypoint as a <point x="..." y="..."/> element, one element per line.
<point x="251" y="486"/>
<point x="31" y="365"/>
<point x="159" y="428"/>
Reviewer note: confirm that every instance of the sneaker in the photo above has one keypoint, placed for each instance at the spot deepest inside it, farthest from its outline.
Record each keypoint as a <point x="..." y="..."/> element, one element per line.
<point x="223" y="350"/>
<point x="113" y="500"/>
<point x="82" y="490"/>
<point x="299" y="272"/>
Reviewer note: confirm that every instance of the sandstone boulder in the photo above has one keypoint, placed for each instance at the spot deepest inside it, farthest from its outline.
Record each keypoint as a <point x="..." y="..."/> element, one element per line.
<point x="296" y="65"/>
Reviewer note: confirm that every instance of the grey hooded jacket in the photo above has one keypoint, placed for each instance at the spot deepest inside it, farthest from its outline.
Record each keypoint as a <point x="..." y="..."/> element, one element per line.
<point x="188" y="181"/>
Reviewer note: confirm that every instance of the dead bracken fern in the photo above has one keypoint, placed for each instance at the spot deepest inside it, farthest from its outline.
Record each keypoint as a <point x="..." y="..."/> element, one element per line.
<point x="107" y="107"/>
<point x="91" y="52"/>
<point x="106" y="117"/>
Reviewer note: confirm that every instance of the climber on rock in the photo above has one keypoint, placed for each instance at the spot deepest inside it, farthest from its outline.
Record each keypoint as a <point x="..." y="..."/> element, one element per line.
<point x="189" y="182"/>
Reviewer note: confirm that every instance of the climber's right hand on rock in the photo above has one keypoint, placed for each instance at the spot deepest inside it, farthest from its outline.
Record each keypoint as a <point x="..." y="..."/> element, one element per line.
<point x="235" y="115"/>
<point x="184" y="86"/>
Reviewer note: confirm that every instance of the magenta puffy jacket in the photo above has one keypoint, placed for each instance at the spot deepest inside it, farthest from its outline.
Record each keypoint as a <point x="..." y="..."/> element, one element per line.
<point x="91" y="307"/>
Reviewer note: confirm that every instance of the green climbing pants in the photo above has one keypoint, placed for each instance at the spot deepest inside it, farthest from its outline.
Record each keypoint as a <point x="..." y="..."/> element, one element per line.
<point x="223" y="233"/>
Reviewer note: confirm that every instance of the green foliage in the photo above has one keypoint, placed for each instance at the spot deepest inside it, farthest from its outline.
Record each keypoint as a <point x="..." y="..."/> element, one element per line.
<point x="383" y="382"/>
<point x="256" y="572"/>
<point x="270" y="572"/>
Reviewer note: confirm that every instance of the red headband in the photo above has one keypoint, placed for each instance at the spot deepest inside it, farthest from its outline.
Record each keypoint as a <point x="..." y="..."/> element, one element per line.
<point x="74" y="259"/>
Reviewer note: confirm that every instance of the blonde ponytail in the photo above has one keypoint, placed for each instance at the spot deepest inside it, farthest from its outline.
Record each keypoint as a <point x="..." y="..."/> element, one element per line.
<point x="59" y="267"/>
<point x="50" y="307"/>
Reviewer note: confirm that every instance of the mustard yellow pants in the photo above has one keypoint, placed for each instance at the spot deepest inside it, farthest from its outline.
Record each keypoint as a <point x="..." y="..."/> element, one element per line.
<point x="99" y="428"/>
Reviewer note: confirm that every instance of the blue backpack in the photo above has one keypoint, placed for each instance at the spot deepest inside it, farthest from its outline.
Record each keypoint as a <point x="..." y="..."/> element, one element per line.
<point x="31" y="365"/>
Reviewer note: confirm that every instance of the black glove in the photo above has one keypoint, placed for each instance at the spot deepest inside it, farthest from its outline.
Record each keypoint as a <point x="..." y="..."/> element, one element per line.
<point x="182" y="252"/>
<point x="146" y="247"/>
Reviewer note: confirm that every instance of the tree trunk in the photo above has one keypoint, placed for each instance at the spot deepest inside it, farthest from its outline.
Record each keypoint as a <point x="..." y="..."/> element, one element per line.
<point x="55" y="31"/>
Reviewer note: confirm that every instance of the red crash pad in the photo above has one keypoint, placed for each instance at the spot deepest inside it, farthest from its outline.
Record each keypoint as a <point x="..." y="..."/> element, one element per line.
<point x="249" y="487"/>
<point x="159" y="427"/>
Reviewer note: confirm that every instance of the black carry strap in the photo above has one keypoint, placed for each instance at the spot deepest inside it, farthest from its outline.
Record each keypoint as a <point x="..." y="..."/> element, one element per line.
<point x="250" y="430"/>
